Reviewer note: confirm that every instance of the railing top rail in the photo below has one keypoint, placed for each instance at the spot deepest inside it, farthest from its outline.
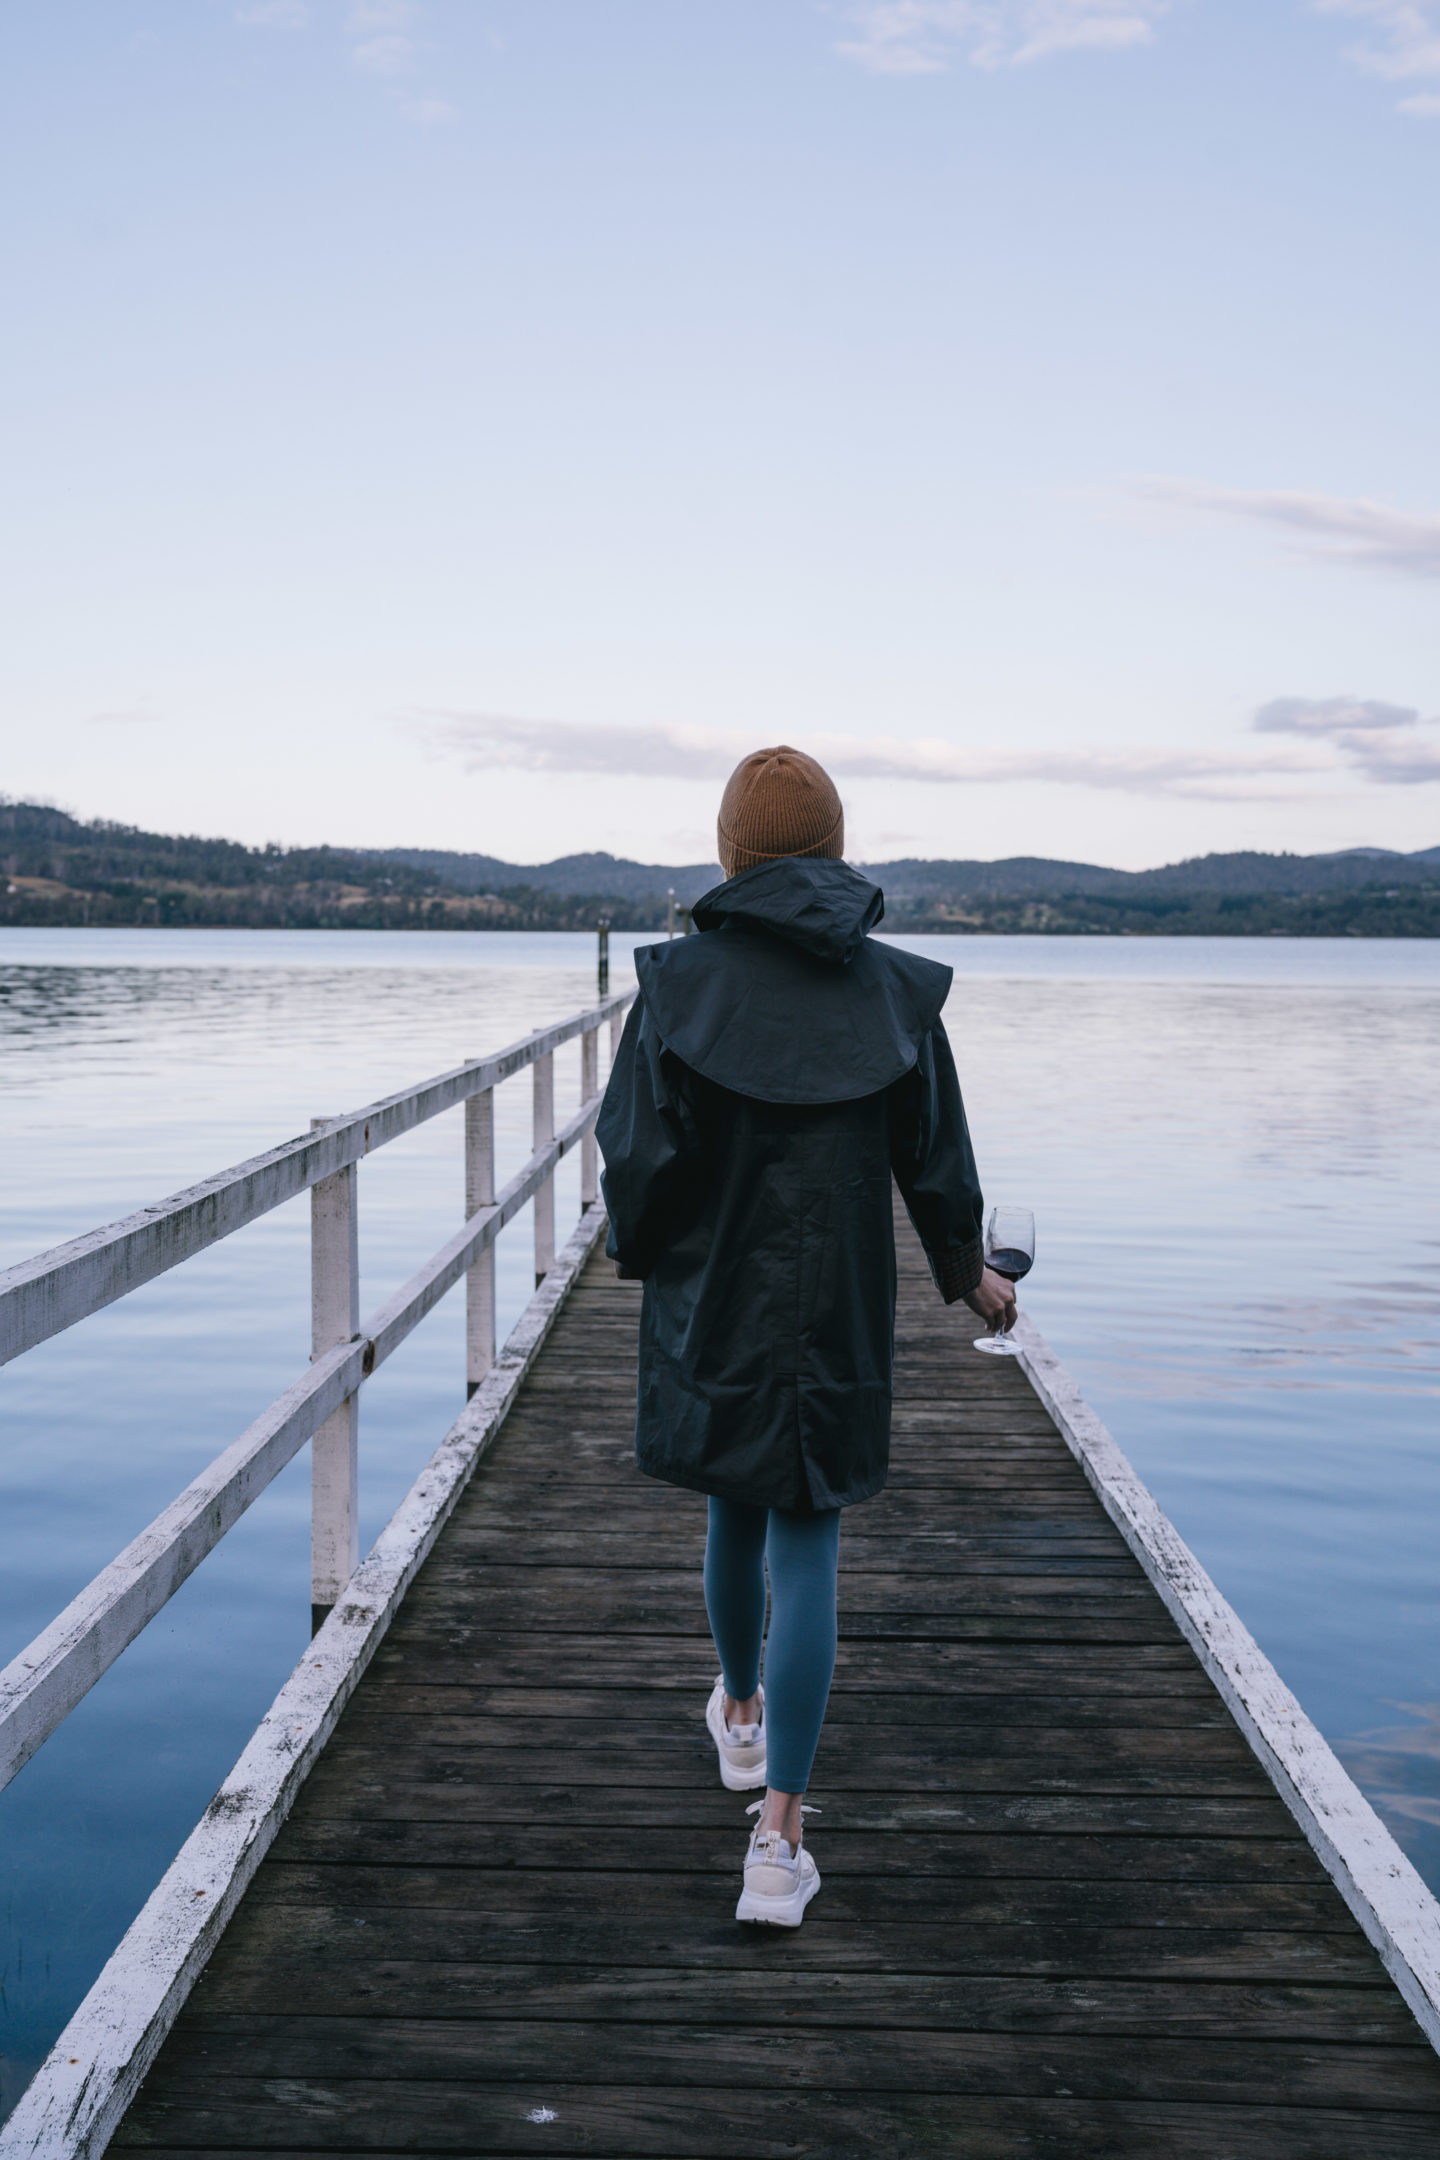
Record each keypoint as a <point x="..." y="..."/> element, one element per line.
<point x="43" y="1683"/>
<point x="42" y="1296"/>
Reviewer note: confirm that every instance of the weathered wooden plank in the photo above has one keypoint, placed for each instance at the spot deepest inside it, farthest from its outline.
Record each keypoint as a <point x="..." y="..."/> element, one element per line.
<point x="963" y="1458"/>
<point x="636" y="1614"/>
<point x="491" y="1531"/>
<point x="386" y="1733"/>
<point x="594" y="1465"/>
<point x="909" y="1504"/>
<point x="607" y="2122"/>
<point x="639" y="1609"/>
<point x="919" y="1487"/>
<point x="975" y="1718"/>
<point x="494" y="1561"/>
<point x="1080" y="1771"/>
<point x="885" y="1752"/>
<point x="1019" y="1852"/>
<point x="649" y="1741"/>
<point x="672" y="1923"/>
<point x="557" y="1660"/>
<point x="929" y="1509"/>
<point x="414" y="1983"/>
<point x="867" y="1917"/>
<point x="772" y="2053"/>
<point x="399" y="1797"/>
<point x="548" y="1568"/>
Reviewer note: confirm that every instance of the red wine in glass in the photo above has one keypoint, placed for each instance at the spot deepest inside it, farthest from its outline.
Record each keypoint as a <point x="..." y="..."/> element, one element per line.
<point x="1009" y="1251"/>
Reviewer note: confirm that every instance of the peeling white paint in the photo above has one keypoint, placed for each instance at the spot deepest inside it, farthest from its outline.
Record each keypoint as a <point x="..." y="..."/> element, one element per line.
<point x="1382" y="1889"/>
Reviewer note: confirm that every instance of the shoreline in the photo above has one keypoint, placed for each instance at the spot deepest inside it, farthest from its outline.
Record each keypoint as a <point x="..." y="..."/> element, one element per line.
<point x="919" y="927"/>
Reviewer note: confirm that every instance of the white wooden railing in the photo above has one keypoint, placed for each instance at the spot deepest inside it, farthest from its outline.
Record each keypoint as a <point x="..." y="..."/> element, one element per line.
<point x="42" y="1296"/>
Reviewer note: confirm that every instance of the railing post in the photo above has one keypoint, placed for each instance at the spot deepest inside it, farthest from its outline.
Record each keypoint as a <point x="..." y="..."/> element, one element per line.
<point x="589" y="1085"/>
<point x="479" y="1278"/>
<point x="335" y="1448"/>
<point x="543" y="1131"/>
<point x="617" y="1029"/>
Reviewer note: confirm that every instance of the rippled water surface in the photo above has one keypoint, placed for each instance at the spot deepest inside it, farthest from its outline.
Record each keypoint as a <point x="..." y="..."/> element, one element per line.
<point x="1231" y="1147"/>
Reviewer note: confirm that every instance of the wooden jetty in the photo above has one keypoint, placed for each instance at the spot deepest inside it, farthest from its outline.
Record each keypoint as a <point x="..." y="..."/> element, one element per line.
<point x="1092" y="1883"/>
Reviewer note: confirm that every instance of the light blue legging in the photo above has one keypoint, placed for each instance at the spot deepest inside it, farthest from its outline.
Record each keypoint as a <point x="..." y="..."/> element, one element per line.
<point x="802" y="1552"/>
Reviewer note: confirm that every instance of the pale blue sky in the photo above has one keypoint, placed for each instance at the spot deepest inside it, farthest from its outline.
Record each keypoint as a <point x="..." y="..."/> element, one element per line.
<point x="476" y="422"/>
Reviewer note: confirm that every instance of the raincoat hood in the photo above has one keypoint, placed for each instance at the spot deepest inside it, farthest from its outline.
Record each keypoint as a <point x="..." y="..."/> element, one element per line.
<point x="824" y="908"/>
<point x="785" y="997"/>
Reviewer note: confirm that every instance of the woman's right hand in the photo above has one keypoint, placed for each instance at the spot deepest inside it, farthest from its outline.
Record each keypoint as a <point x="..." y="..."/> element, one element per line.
<point x="993" y="1298"/>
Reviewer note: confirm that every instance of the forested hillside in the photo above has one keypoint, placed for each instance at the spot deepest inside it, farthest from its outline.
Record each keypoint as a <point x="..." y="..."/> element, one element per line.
<point x="60" y="870"/>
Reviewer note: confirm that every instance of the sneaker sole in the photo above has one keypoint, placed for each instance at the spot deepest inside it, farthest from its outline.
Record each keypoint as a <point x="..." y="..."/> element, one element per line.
<point x="777" y="1911"/>
<point x="732" y="1778"/>
<point x="740" y="1780"/>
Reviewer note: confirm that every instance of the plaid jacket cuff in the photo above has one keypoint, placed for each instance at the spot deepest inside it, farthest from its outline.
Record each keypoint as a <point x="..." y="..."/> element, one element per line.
<point x="957" y="1269"/>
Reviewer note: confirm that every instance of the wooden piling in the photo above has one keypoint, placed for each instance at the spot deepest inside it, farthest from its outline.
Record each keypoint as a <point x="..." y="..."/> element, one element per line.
<point x="335" y="1448"/>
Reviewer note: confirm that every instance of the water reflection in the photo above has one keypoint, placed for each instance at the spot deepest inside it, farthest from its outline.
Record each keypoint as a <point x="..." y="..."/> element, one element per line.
<point x="1399" y="1767"/>
<point x="1233" y="1158"/>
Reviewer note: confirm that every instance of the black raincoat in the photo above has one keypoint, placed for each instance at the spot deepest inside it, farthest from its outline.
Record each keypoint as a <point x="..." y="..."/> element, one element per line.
<point x="773" y="1073"/>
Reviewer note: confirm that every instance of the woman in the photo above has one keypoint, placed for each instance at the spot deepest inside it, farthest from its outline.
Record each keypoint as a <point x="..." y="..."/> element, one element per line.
<point x="774" y="1073"/>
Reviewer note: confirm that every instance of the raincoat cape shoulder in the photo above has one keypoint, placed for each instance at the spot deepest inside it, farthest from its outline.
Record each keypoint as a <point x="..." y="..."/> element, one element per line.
<point x="788" y="999"/>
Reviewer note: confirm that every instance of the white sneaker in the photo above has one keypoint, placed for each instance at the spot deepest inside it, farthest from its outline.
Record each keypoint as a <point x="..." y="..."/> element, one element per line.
<point x="741" y="1748"/>
<point x="779" y="1884"/>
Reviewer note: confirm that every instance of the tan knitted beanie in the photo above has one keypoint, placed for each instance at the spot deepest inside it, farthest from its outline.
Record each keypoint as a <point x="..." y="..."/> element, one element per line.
<point x="778" y="802"/>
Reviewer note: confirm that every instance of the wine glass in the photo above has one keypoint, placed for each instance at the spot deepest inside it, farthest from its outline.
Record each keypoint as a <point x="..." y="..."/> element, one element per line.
<point x="1009" y="1251"/>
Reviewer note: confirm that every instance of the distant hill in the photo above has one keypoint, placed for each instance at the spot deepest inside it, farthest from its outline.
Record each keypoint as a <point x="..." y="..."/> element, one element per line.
<point x="573" y="874"/>
<point x="58" y="869"/>
<point x="1036" y="877"/>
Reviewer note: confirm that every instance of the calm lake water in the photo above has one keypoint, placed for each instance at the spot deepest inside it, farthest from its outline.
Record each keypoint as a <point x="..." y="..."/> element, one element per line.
<point x="1232" y="1148"/>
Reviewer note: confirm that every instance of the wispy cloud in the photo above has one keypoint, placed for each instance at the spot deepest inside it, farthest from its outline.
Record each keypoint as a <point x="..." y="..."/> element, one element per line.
<point x="384" y="56"/>
<point x="926" y="37"/>
<point x="1388" y="743"/>
<point x="428" y="111"/>
<point x="1403" y="46"/>
<point x="274" y="15"/>
<point x="1280" y="771"/>
<point x="383" y="40"/>
<point x="1332" y="529"/>
<point x="379" y="30"/>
